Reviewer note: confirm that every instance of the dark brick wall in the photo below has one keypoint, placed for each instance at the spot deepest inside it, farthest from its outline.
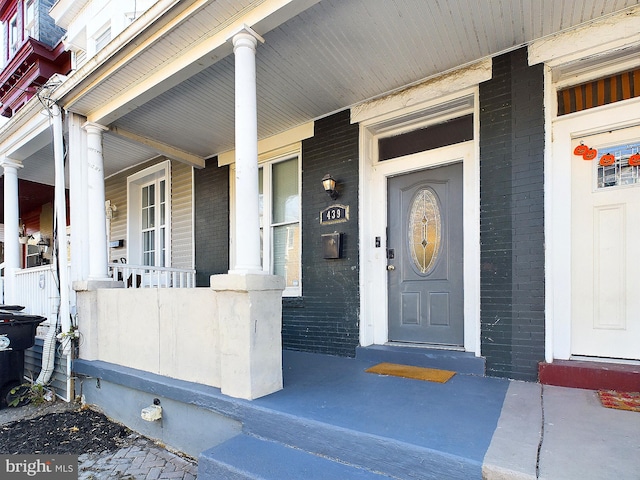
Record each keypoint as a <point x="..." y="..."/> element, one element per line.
<point x="211" y="185"/>
<point x="511" y="217"/>
<point x="46" y="29"/>
<point x="325" y="318"/>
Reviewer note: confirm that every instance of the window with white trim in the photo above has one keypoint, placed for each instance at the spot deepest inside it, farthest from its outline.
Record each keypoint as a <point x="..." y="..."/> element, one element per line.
<point x="280" y="228"/>
<point x="102" y="39"/>
<point x="154" y="228"/>
<point x="149" y="216"/>
<point x="14" y="35"/>
<point x="30" y="18"/>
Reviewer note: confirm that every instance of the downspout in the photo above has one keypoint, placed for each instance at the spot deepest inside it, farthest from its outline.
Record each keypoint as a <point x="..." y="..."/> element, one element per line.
<point x="64" y="320"/>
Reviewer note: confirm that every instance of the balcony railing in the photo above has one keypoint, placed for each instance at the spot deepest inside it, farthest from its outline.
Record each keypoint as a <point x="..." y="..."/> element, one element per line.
<point x="144" y="276"/>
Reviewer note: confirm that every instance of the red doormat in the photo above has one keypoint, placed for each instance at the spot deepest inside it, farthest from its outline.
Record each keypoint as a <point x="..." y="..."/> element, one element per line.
<point x="620" y="400"/>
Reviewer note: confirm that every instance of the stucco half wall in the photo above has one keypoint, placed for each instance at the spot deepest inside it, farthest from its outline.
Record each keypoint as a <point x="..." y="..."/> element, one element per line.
<point x="227" y="336"/>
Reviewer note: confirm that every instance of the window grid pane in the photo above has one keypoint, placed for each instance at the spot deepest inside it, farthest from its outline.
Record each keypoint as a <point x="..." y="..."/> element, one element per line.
<point x="286" y="253"/>
<point x="279" y="188"/>
<point x="286" y="200"/>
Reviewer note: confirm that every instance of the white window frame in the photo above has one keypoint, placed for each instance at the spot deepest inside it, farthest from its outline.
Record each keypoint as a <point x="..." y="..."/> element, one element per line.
<point x="158" y="227"/>
<point x="267" y="222"/>
<point x="13" y="34"/>
<point x="102" y="38"/>
<point x="135" y="184"/>
<point x="29" y="24"/>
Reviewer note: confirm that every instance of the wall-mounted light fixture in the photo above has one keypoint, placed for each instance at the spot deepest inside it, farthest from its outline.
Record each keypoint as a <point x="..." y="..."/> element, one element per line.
<point x="43" y="245"/>
<point x="329" y="184"/>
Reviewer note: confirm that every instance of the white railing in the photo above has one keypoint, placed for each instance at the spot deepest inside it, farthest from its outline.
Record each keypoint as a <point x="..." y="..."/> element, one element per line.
<point x="37" y="290"/>
<point x="144" y="276"/>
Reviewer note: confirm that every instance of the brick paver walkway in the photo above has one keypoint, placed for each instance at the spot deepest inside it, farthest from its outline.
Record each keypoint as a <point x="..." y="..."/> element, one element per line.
<point x="140" y="459"/>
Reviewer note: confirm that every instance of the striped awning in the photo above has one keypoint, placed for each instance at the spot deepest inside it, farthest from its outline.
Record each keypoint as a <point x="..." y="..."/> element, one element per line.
<point x="599" y="92"/>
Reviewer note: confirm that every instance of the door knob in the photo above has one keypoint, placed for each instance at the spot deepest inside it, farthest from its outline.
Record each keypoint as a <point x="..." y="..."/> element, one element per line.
<point x="391" y="267"/>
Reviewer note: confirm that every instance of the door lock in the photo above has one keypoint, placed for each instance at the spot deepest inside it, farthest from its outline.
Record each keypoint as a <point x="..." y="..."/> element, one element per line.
<point x="391" y="267"/>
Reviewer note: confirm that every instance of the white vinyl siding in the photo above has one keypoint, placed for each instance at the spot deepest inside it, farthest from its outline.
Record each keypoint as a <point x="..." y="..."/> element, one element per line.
<point x="181" y="215"/>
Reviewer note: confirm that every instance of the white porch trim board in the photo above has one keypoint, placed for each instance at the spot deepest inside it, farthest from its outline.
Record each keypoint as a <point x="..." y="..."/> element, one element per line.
<point x="595" y="50"/>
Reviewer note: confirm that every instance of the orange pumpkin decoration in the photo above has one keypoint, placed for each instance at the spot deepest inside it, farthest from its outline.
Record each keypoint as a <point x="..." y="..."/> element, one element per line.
<point x="580" y="149"/>
<point x="634" y="160"/>
<point x="607" y="159"/>
<point x="590" y="154"/>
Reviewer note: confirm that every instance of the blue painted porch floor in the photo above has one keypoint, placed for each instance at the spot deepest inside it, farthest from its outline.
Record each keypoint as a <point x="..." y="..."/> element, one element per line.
<point x="457" y="417"/>
<point x="334" y="421"/>
<point x="368" y="424"/>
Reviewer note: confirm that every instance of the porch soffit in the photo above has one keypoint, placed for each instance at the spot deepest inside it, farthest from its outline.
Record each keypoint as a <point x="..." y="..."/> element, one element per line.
<point x="173" y="80"/>
<point x="164" y="55"/>
<point x="331" y="56"/>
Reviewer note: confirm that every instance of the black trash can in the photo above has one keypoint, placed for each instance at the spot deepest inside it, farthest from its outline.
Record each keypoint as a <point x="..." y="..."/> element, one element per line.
<point x="11" y="308"/>
<point x="17" y="333"/>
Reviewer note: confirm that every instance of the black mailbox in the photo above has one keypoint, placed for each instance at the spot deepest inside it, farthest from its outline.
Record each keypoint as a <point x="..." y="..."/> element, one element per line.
<point x="332" y="245"/>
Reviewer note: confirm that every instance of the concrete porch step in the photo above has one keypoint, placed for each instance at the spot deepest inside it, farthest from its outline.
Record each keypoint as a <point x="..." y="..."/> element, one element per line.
<point x="247" y="458"/>
<point x="461" y="362"/>
<point x="590" y="375"/>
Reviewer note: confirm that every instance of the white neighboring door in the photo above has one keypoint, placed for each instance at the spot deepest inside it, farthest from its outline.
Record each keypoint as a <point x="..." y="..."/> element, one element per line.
<point x="605" y="248"/>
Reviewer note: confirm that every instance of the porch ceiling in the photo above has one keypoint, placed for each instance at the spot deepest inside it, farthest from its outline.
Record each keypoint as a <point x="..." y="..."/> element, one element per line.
<point x="339" y="53"/>
<point x="334" y="54"/>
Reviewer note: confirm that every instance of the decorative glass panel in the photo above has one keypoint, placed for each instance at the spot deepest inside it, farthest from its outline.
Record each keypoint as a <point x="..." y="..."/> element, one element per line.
<point x="625" y="168"/>
<point x="425" y="230"/>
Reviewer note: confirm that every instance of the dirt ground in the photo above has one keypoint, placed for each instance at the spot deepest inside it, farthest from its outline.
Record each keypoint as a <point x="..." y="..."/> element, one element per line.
<point x="73" y="430"/>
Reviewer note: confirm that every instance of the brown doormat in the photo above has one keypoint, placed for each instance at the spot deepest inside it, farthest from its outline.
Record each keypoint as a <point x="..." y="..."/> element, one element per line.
<point x="620" y="400"/>
<point x="407" y="371"/>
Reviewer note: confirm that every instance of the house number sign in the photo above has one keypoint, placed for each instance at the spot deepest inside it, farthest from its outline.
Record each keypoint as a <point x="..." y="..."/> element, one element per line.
<point x="334" y="214"/>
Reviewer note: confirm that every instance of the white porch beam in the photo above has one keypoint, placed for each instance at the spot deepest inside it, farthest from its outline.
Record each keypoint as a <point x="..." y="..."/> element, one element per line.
<point x="11" y="219"/>
<point x="161" y="147"/>
<point x="98" y="258"/>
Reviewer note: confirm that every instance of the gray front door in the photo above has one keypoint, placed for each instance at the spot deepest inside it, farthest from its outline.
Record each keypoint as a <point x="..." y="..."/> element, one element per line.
<point x="425" y="265"/>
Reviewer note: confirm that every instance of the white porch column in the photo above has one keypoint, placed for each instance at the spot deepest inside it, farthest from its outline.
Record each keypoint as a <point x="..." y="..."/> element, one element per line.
<point x="78" y="197"/>
<point x="98" y="253"/>
<point x="247" y="222"/>
<point x="11" y="219"/>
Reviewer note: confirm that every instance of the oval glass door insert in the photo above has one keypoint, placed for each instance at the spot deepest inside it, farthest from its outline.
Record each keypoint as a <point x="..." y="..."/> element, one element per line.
<point x="425" y="230"/>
